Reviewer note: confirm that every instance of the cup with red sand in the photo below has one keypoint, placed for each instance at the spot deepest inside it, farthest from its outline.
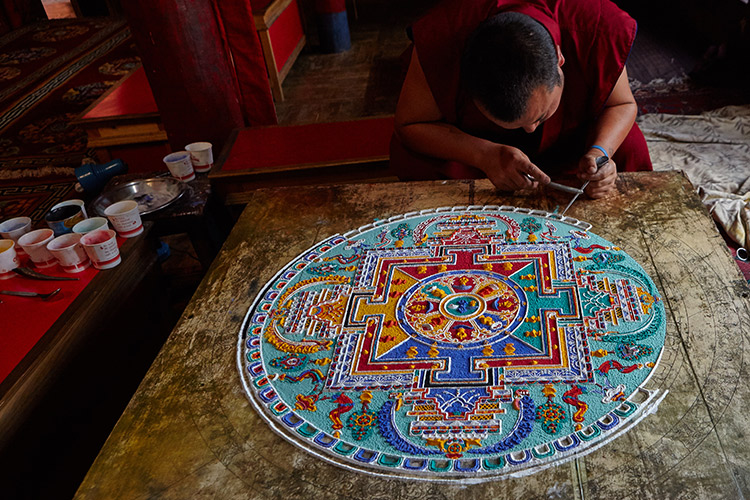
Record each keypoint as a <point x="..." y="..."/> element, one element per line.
<point x="101" y="247"/>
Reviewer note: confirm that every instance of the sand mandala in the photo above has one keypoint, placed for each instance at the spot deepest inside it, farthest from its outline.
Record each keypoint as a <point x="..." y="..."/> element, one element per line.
<point x="456" y="343"/>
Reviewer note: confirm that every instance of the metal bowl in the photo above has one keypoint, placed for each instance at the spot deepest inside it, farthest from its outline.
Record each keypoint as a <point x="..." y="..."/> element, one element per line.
<point x="150" y="194"/>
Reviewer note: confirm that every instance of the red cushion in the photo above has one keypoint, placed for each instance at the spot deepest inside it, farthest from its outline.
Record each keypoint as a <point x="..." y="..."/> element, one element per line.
<point x="314" y="144"/>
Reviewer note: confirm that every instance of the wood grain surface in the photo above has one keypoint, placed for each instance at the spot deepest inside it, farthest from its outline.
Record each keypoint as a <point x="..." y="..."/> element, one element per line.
<point x="190" y="432"/>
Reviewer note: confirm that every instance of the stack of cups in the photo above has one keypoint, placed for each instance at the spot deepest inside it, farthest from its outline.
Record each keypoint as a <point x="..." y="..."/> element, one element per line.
<point x="201" y="154"/>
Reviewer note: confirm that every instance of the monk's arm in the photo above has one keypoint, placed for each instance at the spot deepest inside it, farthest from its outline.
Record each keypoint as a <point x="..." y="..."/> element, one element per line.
<point x="420" y="126"/>
<point x="610" y="130"/>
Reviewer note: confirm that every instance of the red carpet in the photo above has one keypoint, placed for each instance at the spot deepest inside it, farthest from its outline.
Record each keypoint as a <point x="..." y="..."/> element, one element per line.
<point x="50" y="72"/>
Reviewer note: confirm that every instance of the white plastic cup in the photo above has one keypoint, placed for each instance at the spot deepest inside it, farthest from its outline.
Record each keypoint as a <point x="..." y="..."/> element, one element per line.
<point x="14" y="228"/>
<point x="77" y="202"/>
<point x="101" y="247"/>
<point x="8" y="259"/>
<point x="69" y="253"/>
<point x="35" y="244"/>
<point x="92" y="224"/>
<point x="125" y="218"/>
<point x="202" y="156"/>
<point x="180" y="165"/>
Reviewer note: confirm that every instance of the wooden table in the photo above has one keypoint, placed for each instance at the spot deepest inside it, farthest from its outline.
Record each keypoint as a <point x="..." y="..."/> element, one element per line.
<point x="84" y="367"/>
<point x="189" y="432"/>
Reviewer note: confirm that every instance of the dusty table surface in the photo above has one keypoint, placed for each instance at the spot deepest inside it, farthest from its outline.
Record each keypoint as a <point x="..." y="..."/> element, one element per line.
<point x="190" y="432"/>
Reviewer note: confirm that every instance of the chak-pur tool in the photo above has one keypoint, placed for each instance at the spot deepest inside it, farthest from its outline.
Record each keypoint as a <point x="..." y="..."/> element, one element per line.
<point x="43" y="296"/>
<point x="600" y="162"/>
<point x="555" y="185"/>
<point x="29" y="273"/>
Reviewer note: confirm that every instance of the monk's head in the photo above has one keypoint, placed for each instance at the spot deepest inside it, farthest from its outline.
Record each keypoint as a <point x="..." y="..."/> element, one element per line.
<point x="511" y="68"/>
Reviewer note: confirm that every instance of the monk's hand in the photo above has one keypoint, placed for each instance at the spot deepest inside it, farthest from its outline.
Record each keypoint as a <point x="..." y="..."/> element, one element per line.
<point x="601" y="182"/>
<point x="509" y="169"/>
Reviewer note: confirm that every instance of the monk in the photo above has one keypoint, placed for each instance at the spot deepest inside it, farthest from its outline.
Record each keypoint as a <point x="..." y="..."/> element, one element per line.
<point x="518" y="91"/>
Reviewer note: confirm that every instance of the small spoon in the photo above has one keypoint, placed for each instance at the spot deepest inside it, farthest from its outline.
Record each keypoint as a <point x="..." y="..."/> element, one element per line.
<point x="43" y="296"/>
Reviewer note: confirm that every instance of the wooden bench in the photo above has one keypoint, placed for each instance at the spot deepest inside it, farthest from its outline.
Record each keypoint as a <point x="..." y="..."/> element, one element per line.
<point x="316" y="153"/>
<point x="125" y="123"/>
<point x="279" y="28"/>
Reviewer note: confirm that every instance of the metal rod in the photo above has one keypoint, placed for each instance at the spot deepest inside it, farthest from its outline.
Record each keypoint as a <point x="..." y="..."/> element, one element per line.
<point x="563" y="187"/>
<point x="43" y="296"/>
<point x="600" y="162"/>
<point x="555" y="185"/>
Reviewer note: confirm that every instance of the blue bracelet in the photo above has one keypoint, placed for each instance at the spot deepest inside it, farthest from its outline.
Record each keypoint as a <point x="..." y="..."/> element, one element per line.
<point x="600" y="149"/>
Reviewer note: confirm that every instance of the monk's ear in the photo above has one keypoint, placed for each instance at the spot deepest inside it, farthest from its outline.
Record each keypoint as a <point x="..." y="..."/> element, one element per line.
<point x="560" y="58"/>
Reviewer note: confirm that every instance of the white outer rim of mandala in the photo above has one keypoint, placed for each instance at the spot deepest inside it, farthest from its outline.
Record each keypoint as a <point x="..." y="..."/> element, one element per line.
<point x="300" y="442"/>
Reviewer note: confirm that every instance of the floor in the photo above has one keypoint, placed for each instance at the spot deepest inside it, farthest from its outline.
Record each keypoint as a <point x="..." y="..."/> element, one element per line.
<point x="58" y="9"/>
<point x="365" y="81"/>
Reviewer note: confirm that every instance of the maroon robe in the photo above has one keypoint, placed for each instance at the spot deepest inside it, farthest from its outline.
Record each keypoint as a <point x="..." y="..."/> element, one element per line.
<point x="595" y="38"/>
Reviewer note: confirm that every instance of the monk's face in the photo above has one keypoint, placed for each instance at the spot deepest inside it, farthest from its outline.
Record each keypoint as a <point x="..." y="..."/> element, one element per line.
<point x="541" y="106"/>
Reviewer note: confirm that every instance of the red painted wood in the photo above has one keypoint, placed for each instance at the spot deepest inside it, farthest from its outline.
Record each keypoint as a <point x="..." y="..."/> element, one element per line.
<point x="189" y="67"/>
<point x="285" y="33"/>
<point x="317" y="143"/>
<point x="142" y="158"/>
<point x="26" y="320"/>
<point x="249" y="65"/>
<point x="132" y="97"/>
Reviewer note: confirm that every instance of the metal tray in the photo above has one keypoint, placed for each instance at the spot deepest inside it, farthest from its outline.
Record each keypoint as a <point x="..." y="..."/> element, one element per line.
<point x="150" y="194"/>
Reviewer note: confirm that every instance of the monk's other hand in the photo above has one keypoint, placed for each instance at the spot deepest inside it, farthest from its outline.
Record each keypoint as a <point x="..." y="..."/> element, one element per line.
<point x="509" y="169"/>
<point x="602" y="182"/>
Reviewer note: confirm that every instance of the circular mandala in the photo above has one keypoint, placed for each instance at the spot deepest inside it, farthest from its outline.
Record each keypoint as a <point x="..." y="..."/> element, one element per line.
<point x="452" y="343"/>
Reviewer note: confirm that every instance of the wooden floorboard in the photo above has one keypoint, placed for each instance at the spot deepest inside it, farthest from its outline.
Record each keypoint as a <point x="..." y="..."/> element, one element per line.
<point x="366" y="80"/>
<point x="363" y="81"/>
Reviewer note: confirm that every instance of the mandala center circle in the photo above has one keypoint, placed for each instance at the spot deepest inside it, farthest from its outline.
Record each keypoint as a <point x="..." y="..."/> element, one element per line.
<point x="462" y="306"/>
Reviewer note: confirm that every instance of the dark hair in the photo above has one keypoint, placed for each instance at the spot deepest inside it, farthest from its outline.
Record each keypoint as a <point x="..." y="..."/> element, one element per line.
<point x="505" y="60"/>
